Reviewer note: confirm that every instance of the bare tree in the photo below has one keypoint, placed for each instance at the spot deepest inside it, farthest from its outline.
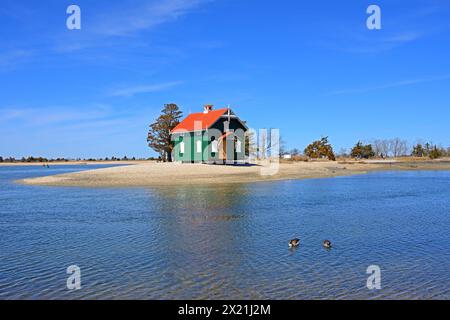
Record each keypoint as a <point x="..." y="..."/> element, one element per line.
<point x="262" y="147"/>
<point x="385" y="148"/>
<point x="398" y="147"/>
<point x="377" y="147"/>
<point x="343" y="153"/>
<point x="251" y="145"/>
<point x="404" y="149"/>
<point x="282" y="146"/>
<point x="390" y="147"/>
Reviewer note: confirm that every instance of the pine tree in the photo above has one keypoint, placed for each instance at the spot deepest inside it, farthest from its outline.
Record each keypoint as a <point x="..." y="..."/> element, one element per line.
<point x="436" y="153"/>
<point x="320" y="149"/>
<point x="419" y="151"/>
<point x="362" y="151"/>
<point x="159" y="138"/>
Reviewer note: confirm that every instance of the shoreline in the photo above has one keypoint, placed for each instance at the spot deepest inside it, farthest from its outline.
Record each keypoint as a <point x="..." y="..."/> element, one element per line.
<point x="152" y="174"/>
<point x="71" y="163"/>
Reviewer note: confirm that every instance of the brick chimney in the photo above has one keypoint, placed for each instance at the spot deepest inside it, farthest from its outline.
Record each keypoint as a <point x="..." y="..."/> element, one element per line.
<point x="207" y="108"/>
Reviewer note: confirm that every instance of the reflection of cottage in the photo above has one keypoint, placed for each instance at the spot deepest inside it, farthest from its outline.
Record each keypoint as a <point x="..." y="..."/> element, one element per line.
<point x="212" y="136"/>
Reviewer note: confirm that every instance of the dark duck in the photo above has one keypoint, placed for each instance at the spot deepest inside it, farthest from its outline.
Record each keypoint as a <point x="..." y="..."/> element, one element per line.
<point x="294" y="243"/>
<point x="327" y="244"/>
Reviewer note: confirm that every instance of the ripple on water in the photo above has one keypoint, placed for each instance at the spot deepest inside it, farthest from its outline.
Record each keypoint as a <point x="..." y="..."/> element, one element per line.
<point x="228" y="242"/>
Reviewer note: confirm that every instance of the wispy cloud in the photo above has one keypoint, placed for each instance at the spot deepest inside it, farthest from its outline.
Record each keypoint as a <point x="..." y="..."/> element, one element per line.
<point x="10" y="58"/>
<point x="401" y="38"/>
<point x="397" y="84"/>
<point x="16" y="10"/>
<point x="51" y="115"/>
<point x="364" y="42"/>
<point x="399" y="29"/>
<point x="146" y="17"/>
<point x="107" y="28"/>
<point x="95" y="128"/>
<point x="134" y="90"/>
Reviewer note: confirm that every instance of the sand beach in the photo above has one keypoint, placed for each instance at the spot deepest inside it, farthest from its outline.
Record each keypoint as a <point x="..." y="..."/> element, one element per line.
<point x="144" y="174"/>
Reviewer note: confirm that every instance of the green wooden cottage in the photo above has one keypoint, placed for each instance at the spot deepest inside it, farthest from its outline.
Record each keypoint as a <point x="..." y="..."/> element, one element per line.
<point x="213" y="136"/>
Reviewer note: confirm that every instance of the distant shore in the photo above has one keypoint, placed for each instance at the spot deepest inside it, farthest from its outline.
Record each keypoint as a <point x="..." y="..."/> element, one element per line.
<point x="72" y="163"/>
<point x="146" y="174"/>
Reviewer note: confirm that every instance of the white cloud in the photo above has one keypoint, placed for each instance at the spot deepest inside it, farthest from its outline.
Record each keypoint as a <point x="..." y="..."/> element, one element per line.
<point x="392" y="85"/>
<point x="403" y="37"/>
<point x="134" y="90"/>
<point x="127" y="22"/>
<point x="363" y="42"/>
<point x="51" y="115"/>
<point x="10" y="58"/>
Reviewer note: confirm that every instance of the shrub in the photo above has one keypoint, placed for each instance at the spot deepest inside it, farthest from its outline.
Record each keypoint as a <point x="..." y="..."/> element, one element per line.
<point x="436" y="153"/>
<point x="320" y="149"/>
<point x="362" y="151"/>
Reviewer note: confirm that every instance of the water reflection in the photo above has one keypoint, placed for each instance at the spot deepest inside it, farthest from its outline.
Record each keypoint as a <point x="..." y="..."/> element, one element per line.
<point x="205" y="234"/>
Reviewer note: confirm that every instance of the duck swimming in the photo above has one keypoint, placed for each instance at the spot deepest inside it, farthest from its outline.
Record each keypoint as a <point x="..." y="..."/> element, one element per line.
<point x="327" y="244"/>
<point x="294" y="243"/>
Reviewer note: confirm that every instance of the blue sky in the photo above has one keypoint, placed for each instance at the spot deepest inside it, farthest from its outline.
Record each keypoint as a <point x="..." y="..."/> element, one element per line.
<point x="309" y="68"/>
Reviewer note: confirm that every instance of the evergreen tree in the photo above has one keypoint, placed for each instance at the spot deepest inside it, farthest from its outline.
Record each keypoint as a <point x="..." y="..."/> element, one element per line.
<point x="320" y="149"/>
<point x="362" y="151"/>
<point x="419" y="151"/>
<point x="436" y="153"/>
<point x="159" y="138"/>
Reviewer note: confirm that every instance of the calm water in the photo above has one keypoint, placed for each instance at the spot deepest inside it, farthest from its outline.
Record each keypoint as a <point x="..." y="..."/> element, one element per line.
<point x="227" y="241"/>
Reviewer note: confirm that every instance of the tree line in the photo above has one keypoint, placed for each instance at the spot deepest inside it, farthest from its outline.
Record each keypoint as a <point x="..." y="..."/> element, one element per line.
<point x="387" y="148"/>
<point x="45" y="160"/>
<point x="159" y="139"/>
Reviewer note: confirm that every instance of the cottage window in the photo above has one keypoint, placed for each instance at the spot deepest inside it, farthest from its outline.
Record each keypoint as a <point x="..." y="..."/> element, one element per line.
<point x="182" y="147"/>
<point x="238" y="146"/>
<point x="199" y="146"/>
<point x="214" y="146"/>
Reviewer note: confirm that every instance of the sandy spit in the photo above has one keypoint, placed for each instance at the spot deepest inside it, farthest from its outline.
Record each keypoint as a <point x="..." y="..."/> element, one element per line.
<point x="171" y="174"/>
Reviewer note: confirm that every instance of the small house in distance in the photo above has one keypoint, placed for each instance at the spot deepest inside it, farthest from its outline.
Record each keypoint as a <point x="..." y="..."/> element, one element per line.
<point x="211" y="136"/>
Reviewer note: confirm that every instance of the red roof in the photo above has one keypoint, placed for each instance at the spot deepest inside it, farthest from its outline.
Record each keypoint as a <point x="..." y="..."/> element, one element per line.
<point x="206" y="119"/>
